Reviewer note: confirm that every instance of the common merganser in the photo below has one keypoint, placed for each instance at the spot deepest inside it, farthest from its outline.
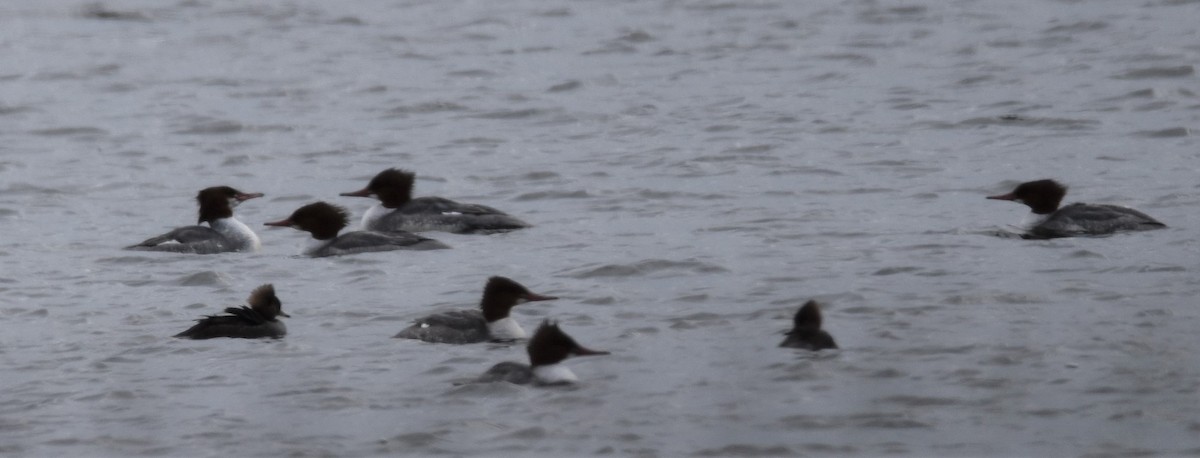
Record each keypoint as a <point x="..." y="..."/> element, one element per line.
<point x="490" y="323"/>
<point x="806" y="330"/>
<point x="324" y="221"/>
<point x="253" y="322"/>
<point x="224" y="233"/>
<point x="1043" y="197"/>
<point x="398" y="211"/>
<point x="547" y="350"/>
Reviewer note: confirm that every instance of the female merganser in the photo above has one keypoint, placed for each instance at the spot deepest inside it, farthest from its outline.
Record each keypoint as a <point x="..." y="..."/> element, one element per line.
<point x="806" y="330"/>
<point x="491" y="322"/>
<point x="224" y="233"/>
<point x="253" y="322"/>
<point x="1043" y="197"/>
<point x="547" y="350"/>
<point x="324" y="221"/>
<point x="398" y="211"/>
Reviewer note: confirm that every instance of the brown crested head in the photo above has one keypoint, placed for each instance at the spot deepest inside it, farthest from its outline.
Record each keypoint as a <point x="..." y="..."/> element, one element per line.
<point x="501" y="294"/>
<point x="808" y="317"/>
<point x="218" y="201"/>
<point x="264" y="301"/>
<point x="321" y="219"/>
<point x="550" y="345"/>
<point x="393" y="187"/>
<point x="1042" y="196"/>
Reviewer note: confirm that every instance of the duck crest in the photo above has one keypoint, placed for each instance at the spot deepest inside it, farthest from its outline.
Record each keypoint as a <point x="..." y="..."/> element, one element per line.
<point x="393" y="187"/>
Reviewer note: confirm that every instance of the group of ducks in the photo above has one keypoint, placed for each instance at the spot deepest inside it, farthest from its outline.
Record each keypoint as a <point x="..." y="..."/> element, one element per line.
<point x="389" y="225"/>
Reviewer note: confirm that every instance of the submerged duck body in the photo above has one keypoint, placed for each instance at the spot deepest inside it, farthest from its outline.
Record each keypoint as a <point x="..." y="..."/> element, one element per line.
<point x="806" y="330"/>
<point x="490" y="323"/>
<point x="547" y="349"/>
<point x="223" y="234"/>
<point x="399" y="211"/>
<point x="1078" y="219"/>
<point x="323" y="221"/>
<point x="259" y="320"/>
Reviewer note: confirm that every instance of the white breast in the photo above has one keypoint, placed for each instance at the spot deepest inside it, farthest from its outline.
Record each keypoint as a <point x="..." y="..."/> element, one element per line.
<point x="1032" y="219"/>
<point x="373" y="214"/>
<point x="240" y="234"/>
<point x="552" y="374"/>
<point x="311" y="246"/>
<point x="505" y="329"/>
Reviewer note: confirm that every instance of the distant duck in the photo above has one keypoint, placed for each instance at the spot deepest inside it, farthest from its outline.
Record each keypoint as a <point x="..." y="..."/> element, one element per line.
<point x="224" y="233"/>
<point x="1078" y="219"/>
<point x="490" y="323"/>
<point x="397" y="210"/>
<point x="806" y="330"/>
<point x="258" y="320"/>
<point x="324" y="221"/>
<point x="548" y="348"/>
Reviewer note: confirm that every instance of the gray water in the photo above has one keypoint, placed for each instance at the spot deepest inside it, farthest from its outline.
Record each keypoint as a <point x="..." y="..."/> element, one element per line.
<point x="695" y="170"/>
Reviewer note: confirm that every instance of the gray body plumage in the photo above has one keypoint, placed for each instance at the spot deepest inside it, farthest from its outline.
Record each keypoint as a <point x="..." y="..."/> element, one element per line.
<point x="368" y="241"/>
<point x="456" y="327"/>
<point x="445" y="215"/>
<point x="224" y="236"/>
<point x="242" y="322"/>
<point x="508" y="371"/>
<point x="1081" y="219"/>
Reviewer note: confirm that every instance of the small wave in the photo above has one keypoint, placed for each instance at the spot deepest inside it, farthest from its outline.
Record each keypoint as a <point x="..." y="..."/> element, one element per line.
<point x="1026" y="121"/>
<point x="476" y="73"/>
<point x="746" y="450"/>
<point x="202" y="126"/>
<point x="205" y="278"/>
<point x="920" y="401"/>
<point x="895" y="270"/>
<point x="69" y="132"/>
<point x="546" y="195"/>
<point x="29" y="189"/>
<point x="698" y="320"/>
<point x="8" y="109"/>
<point x="565" y="86"/>
<point x="1174" y="132"/>
<point x="863" y="420"/>
<point x="647" y="267"/>
<point x="854" y="58"/>
<point x="1084" y="26"/>
<point x="98" y="11"/>
<point x="510" y="114"/>
<point x="544" y="175"/>
<point x="1137" y="95"/>
<point x="426" y="108"/>
<point x="473" y="389"/>
<point x="417" y="439"/>
<point x="1158" y="72"/>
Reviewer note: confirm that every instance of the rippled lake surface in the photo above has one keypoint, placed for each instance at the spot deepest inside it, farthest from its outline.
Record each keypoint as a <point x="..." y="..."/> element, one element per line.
<point x="695" y="171"/>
